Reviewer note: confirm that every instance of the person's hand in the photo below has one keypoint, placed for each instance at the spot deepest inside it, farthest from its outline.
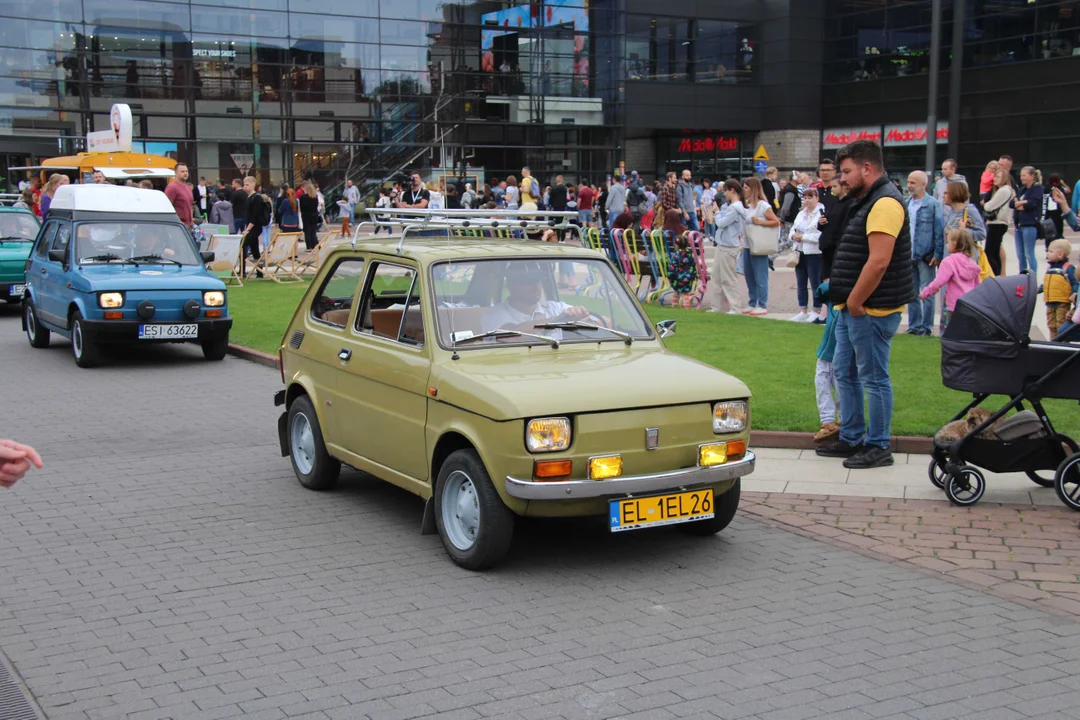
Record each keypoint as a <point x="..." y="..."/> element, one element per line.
<point x="576" y="312"/>
<point x="1072" y="298"/>
<point x="796" y="236"/>
<point x="15" y="461"/>
<point x="686" y="215"/>
<point x="1059" y="197"/>
<point x="823" y="220"/>
<point x="856" y="310"/>
<point x="934" y="262"/>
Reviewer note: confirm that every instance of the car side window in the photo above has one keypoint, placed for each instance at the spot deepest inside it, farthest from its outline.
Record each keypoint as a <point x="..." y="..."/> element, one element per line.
<point x="391" y="307"/>
<point x="63" y="237"/>
<point x="42" y="249"/>
<point x="335" y="299"/>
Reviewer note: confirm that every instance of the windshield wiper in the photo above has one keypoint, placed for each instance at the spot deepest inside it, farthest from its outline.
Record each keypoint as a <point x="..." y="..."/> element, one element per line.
<point x="578" y="325"/>
<point x="15" y="238"/>
<point x="103" y="258"/>
<point x="154" y="259"/>
<point x="503" y="332"/>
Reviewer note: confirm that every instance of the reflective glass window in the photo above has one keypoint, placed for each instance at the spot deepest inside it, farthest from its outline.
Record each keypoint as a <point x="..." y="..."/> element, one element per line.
<point x="68" y="10"/>
<point x="356" y="8"/>
<point x="402" y="32"/>
<point x="136" y="14"/>
<point x="341" y="29"/>
<point x="411" y="9"/>
<point x="39" y="35"/>
<point x="259" y="23"/>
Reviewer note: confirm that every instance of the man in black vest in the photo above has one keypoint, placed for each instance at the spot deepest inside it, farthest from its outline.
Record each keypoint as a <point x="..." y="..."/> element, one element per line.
<point x="871" y="284"/>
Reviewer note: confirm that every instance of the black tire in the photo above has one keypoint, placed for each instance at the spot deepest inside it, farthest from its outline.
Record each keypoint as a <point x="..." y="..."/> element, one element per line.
<point x="215" y="349"/>
<point x="1049" y="482"/>
<point x="87" y="354"/>
<point x="1067" y="482"/>
<point x="937" y="473"/>
<point x="493" y="524"/>
<point x="35" y="333"/>
<point x="723" y="513"/>
<point x="965" y="487"/>
<point x="314" y="467"/>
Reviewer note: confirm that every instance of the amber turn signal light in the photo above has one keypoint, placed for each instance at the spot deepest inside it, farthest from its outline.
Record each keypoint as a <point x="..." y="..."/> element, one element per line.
<point x="114" y="316"/>
<point x="213" y="313"/>
<point x="736" y="449"/>
<point x="552" y="469"/>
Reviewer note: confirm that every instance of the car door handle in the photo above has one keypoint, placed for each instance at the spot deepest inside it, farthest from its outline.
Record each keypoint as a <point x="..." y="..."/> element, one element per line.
<point x="43" y="271"/>
<point x="344" y="355"/>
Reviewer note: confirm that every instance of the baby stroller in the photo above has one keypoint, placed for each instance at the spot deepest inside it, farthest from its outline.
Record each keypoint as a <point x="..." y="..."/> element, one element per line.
<point x="986" y="350"/>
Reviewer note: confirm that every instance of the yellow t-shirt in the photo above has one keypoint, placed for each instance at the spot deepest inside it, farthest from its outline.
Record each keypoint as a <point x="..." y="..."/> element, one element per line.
<point x="527" y="184"/>
<point x="887" y="216"/>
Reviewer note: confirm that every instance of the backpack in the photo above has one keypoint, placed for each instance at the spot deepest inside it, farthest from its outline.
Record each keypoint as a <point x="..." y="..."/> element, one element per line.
<point x="636" y="197"/>
<point x="264" y="215"/>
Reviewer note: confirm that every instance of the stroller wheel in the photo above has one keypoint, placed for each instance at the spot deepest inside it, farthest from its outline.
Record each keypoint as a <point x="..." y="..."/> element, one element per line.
<point x="1049" y="482"/>
<point x="937" y="473"/>
<point x="965" y="487"/>
<point x="1067" y="482"/>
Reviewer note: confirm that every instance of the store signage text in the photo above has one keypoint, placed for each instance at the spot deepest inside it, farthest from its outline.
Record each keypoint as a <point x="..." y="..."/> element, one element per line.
<point x="709" y="144"/>
<point x="913" y="134"/>
<point x="840" y="137"/>
<point x="214" y="52"/>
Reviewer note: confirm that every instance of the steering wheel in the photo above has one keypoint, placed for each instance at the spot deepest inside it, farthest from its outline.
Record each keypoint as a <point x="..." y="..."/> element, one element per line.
<point x="591" y="317"/>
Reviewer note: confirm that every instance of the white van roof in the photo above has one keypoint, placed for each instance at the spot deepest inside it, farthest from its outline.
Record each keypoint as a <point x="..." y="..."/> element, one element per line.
<point x="110" y="199"/>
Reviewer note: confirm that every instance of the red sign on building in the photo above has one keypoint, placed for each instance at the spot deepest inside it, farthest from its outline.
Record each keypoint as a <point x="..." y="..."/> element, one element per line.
<point x="708" y="144"/>
<point x="838" y="138"/>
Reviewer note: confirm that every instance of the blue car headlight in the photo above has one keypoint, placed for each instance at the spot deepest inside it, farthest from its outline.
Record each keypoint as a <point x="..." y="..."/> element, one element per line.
<point x="110" y="300"/>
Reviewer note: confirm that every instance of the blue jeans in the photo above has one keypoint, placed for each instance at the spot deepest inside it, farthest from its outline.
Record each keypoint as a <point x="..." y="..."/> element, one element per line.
<point x="921" y="312"/>
<point x="1025" y="248"/>
<point x="809" y="268"/>
<point x="692" y="223"/>
<point x="756" y="272"/>
<point x="238" y="225"/>
<point x="862" y="360"/>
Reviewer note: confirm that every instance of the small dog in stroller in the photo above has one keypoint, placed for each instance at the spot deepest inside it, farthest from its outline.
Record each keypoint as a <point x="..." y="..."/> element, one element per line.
<point x="986" y="350"/>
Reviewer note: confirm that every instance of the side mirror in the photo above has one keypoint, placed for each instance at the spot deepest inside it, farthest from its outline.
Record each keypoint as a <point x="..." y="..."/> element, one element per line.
<point x="665" y="328"/>
<point x="207" y="256"/>
<point x="59" y="256"/>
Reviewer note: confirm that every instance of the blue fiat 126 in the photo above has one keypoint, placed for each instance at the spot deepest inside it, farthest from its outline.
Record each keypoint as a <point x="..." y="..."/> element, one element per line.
<point x="115" y="265"/>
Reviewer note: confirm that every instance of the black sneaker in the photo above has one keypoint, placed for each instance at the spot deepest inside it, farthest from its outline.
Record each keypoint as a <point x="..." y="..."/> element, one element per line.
<point x="839" y="449"/>
<point x="870" y="456"/>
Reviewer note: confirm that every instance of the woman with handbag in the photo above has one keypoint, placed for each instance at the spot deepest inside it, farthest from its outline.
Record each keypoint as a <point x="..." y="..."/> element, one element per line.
<point x="998" y="218"/>
<point x="1028" y="206"/>
<point x="760" y="239"/>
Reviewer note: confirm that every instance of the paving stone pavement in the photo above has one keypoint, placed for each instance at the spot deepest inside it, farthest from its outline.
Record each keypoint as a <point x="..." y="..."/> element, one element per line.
<point x="166" y="564"/>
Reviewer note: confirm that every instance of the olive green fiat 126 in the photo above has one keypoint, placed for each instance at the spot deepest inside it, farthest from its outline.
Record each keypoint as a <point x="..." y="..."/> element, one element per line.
<point x="498" y="378"/>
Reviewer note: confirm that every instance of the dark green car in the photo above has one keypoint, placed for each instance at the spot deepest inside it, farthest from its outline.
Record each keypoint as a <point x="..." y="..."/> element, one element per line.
<point x="18" y="228"/>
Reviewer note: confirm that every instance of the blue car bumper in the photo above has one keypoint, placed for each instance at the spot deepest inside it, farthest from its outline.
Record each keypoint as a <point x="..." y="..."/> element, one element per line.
<point x="123" y="331"/>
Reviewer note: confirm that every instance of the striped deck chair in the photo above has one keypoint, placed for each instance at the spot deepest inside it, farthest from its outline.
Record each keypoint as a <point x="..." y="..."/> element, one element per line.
<point x="314" y="258"/>
<point x="278" y="262"/>
<point x="697" y="249"/>
<point x="226" y="249"/>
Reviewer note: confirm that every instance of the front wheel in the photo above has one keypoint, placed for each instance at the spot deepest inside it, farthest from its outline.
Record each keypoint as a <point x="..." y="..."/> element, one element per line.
<point x="473" y="523"/>
<point x="314" y="467"/>
<point x="937" y="473"/>
<point x="87" y="353"/>
<point x="35" y="333"/>
<point x="723" y="513"/>
<point x="1067" y="482"/>
<point x="216" y="348"/>
<point x="965" y="487"/>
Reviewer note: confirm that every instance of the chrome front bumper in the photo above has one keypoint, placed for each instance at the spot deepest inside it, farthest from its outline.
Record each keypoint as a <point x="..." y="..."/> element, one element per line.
<point x="631" y="485"/>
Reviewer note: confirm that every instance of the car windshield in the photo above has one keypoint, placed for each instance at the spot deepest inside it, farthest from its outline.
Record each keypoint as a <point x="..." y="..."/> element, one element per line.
<point x="103" y="242"/>
<point x="18" y="227"/>
<point x="567" y="300"/>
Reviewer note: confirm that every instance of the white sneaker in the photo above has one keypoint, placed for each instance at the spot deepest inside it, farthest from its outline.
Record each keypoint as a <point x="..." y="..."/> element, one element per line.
<point x="801" y="317"/>
<point x="733" y="311"/>
<point x="712" y="310"/>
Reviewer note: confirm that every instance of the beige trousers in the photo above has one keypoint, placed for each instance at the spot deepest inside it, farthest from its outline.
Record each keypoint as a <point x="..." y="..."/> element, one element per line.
<point x="724" y="284"/>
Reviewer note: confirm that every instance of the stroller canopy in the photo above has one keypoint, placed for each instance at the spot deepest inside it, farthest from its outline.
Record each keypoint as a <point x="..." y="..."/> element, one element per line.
<point x="995" y="317"/>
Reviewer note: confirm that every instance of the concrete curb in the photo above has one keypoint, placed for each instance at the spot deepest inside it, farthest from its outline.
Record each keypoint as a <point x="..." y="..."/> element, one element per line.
<point x="759" y="438"/>
<point x="255" y="356"/>
<point x="805" y="441"/>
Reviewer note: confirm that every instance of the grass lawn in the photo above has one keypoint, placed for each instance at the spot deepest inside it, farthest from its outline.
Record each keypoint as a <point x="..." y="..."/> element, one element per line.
<point x="775" y="358"/>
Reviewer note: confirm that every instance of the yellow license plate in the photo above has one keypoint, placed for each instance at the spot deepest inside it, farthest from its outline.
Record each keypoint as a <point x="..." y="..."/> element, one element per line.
<point x="642" y="512"/>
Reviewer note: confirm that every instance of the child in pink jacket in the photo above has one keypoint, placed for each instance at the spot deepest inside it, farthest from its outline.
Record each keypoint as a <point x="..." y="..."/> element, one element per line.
<point x="958" y="272"/>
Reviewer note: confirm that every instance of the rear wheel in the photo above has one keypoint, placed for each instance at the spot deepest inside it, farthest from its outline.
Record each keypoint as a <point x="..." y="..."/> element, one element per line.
<point x="937" y="473"/>
<point x="1045" y="481"/>
<point x="473" y="523"/>
<point x="314" y="467"/>
<point x="215" y="348"/>
<point x="35" y="333"/>
<point x="87" y="354"/>
<point x="723" y="513"/>
<point x="1067" y="482"/>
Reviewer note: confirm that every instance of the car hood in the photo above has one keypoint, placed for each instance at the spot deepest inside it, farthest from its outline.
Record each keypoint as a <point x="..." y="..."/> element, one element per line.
<point x="517" y="383"/>
<point x="15" y="250"/>
<point x="150" y="277"/>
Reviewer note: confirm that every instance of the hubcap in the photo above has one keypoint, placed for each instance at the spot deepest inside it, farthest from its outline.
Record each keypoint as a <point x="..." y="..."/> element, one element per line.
<point x="31" y="323"/>
<point x="76" y="339"/>
<point x="460" y="510"/>
<point x="302" y="443"/>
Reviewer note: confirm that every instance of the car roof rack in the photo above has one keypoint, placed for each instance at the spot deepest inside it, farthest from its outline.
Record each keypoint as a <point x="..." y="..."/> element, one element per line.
<point x="413" y="220"/>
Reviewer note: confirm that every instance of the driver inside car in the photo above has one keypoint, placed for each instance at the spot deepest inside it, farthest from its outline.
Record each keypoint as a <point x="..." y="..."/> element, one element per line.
<point x="148" y="241"/>
<point x="524" y="306"/>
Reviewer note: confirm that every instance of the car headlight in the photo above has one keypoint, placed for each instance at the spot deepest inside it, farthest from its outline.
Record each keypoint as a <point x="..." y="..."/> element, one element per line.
<point x="111" y="300"/>
<point x="214" y="298"/>
<point x="547" y="434"/>
<point x="729" y="417"/>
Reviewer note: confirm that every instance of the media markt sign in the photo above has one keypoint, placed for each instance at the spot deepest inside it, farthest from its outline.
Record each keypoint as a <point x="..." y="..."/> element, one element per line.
<point x="243" y="161"/>
<point x="914" y="134"/>
<point x="118" y="137"/>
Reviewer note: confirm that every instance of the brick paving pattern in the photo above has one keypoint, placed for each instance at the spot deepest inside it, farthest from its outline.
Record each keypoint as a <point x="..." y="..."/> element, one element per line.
<point x="166" y="564"/>
<point x="1022" y="552"/>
